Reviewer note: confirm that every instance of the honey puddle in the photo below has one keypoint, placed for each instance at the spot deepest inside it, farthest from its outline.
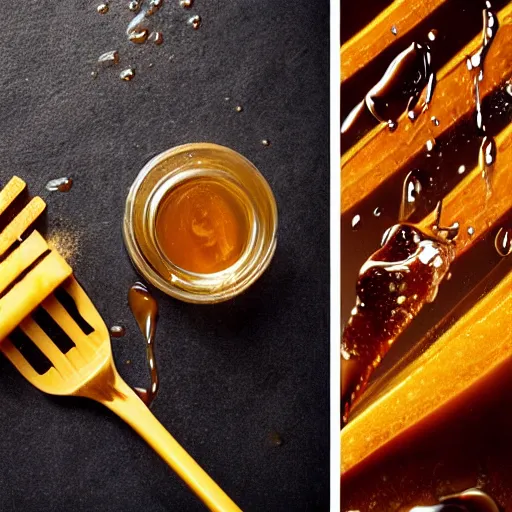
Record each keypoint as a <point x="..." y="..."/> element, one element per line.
<point x="145" y="310"/>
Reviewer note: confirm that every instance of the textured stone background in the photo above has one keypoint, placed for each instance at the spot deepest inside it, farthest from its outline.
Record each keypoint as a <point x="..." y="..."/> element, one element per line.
<point x="232" y="374"/>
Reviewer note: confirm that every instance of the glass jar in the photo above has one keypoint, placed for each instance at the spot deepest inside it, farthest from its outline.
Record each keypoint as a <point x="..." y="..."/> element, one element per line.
<point x="195" y="162"/>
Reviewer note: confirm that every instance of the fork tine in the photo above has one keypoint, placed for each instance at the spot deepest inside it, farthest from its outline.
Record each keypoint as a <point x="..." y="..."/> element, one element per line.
<point x="56" y="310"/>
<point x="43" y="382"/>
<point x="45" y="344"/>
<point x="86" y="309"/>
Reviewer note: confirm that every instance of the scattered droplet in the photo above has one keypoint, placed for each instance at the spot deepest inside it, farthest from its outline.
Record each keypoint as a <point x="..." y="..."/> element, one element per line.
<point x="186" y="4"/>
<point x="508" y="88"/>
<point x="60" y="185"/>
<point x="503" y="241"/>
<point x="356" y="221"/>
<point x="471" y="231"/>
<point x="117" y="331"/>
<point x="156" y="38"/>
<point x="435" y="121"/>
<point x="432" y="35"/>
<point x="276" y="439"/>
<point x="109" y="58"/>
<point x="410" y="192"/>
<point x="195" y="21"/>
<point x="392" y="126"/>
<point x="377" y="212"/>
<point x="102" y="8"/>
<point x="139" y="36"/>
<point x="394" y="31"/>
<point x="127" y="74"/>
<point x="486" y="161"/>
<point x="239" y="108"/>
<point x="94" y="74"/>
<point x="461" y="169"/>
<point x="430" y="144"/>
<point x="128" y="361"/>
<point x="150" y="65"/>
<point x="265" y="142"/>
<point x="134" y="6"/>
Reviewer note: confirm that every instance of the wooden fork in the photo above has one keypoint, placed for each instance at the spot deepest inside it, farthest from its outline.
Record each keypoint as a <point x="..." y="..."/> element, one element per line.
<point x="28" y="278"/>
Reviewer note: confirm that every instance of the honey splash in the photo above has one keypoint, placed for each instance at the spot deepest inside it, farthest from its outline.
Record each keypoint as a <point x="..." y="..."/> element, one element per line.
<point x="201" y="226"/>
<point x="145" y="310"/>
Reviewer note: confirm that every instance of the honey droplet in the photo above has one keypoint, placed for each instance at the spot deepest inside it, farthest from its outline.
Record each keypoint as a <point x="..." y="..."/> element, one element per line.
<point x="139" y="36"/>
<point x="239" y="108"/>
<point x="503" y="241"/>
<point x="102" y="8"/>
<point x="134" y="6"/>
<point x="471" y="231"/>
<point x="117" y="331"/>
<point x="377" y="212"/>
<point x="265" y="142"/>
<point x="435" y="121"/>
<point x="432" y="35"/>
<point x="94" y="74"/>
<point x="186" y="4"/>
<point x="156" y="38"/>
<point x="127" y="74"/>
<point x="195" y="21"/>
<point x="109" y="58"/>
<point x="356" y="221"/>
<point x="59" y="185"/>
<point x="276" y="439"/>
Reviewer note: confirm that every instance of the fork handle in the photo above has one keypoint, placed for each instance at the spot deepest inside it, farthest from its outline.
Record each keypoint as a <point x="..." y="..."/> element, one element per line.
<point x="129" y="407"/>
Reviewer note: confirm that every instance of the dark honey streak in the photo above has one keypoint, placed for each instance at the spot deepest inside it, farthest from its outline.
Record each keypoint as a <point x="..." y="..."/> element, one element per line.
<point x="398" y="91"/>
<point x="457" y="22"/>
<point x="393" y="286"/>
<point x="145" y="310"/>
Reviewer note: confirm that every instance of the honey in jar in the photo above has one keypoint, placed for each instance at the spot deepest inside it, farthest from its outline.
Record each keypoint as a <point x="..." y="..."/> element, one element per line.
<point x="202" y="226"/>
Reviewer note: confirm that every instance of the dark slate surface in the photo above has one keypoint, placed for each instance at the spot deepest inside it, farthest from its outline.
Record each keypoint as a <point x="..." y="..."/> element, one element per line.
<point x="232" y="374"/>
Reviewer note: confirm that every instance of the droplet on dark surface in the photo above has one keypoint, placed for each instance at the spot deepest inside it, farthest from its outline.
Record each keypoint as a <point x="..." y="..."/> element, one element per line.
<point x="127" y="74"/>
<point x="356" y="222"/>
<point x="265" y="142"/>
<point x="94" y="74"/>
<point x="156" y="38"/>
<point x="503" y="241"/>
<point x="276" y="439"/>
<point x="139" y="36"/>
<point x="377" y="212"/>
<point x="110" y="58"/>
<point x="102" y="8"/>
<point x="461" y="169"/>
<point x="239" y="108"/>
<point x="117" y="331"/>
<point x="60" y="185"/>
<point x="195" y="21"/>
<point x="186" y="4"/>
<point x="432" y="35"/>
<point x="134" y="6"/>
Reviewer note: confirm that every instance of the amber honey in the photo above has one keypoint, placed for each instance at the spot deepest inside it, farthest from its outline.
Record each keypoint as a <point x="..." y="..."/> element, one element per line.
<point x="202" y="226"/>
<point x="200" y="223"/>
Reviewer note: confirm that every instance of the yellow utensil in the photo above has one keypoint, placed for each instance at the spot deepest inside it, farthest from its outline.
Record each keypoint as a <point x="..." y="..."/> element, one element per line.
<point x="28" y="278"/>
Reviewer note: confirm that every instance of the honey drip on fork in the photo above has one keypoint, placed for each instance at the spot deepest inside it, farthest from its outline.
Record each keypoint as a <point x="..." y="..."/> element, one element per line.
<point x="145" y="310"/>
